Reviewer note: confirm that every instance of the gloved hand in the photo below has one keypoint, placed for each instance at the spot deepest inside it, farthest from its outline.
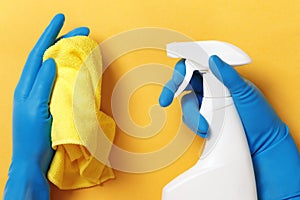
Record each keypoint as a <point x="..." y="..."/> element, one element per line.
<point x="32" y="152"/>
<point x="275" y="157"/>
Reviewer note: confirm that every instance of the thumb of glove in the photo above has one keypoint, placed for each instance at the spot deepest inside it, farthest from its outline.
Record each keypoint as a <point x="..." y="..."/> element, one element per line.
<point x="226" y="74"/>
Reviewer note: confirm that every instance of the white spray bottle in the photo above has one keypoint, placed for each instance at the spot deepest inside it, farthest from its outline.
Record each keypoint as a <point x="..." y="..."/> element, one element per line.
<point x="224" y="170"/>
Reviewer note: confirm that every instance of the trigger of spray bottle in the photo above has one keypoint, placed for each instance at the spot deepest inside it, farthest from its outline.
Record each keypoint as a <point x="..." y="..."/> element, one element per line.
<point x="224" y="170"/>
<point x="197" y="55"/>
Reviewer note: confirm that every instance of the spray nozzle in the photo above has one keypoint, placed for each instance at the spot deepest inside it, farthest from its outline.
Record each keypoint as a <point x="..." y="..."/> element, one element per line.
<point x="197" y="55"/>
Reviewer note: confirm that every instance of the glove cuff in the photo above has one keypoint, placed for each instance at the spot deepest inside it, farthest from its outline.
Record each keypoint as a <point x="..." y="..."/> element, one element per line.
<point x="277" y="171"/>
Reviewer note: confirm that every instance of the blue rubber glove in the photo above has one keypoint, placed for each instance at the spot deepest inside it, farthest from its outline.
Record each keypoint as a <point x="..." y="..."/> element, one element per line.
<point x="32" y="151"/>
<point x="275" y="157"/>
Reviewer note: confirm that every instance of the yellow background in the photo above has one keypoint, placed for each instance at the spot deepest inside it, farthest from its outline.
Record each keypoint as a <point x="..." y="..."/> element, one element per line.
<point x="268" y="31"/>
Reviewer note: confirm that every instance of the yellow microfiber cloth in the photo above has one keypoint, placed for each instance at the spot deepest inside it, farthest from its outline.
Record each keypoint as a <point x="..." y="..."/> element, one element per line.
<point x="81" y="134"/>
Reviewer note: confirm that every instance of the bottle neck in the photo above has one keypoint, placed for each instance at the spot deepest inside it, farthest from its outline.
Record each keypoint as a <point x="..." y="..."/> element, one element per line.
<point x="212" y="87"/>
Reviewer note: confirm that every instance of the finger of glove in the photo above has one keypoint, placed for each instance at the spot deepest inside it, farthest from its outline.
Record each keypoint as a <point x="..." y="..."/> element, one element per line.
<point x="191" y="115"/>
<point x="168" y="91"/>
<point x="80" y="31"/>
<point x="34" y="61"/>
<point x="196" y="84"/>
<point x="43" y="85"/>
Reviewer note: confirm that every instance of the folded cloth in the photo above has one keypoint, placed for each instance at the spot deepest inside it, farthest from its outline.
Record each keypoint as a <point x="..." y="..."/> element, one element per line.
<point x="81" y="134"/>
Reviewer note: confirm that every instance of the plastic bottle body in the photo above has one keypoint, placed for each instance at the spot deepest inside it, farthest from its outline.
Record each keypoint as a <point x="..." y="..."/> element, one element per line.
<point x="224" y="170"/>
